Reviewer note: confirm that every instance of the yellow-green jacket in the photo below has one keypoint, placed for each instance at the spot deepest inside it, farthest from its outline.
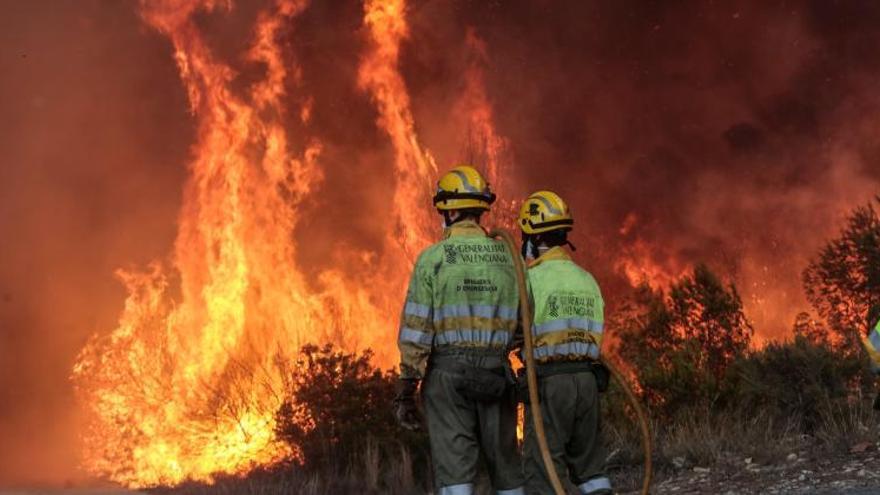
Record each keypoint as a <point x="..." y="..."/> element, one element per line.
<point x="462" y="293"/>
<point x="569" y="312"/>
<point x="872" y="344"/>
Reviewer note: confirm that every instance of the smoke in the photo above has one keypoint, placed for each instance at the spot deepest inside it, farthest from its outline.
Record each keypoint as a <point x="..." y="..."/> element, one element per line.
<point x="93" y="137"/>
<point x="736" y="135"/>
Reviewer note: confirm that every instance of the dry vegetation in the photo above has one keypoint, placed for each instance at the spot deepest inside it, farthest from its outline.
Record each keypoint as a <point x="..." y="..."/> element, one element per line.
<point x="381" y="460"/>
<point x="714" y="400"/>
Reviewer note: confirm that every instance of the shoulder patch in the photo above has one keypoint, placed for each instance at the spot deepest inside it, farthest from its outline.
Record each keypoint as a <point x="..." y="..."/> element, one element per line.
<point x="449" y="253"/>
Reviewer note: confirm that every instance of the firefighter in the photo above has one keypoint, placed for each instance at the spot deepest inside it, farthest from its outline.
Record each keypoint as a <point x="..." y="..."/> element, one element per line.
<point x="458" y="322"/>
<point x="567" y="332"/>
<point x="872" y="345"/>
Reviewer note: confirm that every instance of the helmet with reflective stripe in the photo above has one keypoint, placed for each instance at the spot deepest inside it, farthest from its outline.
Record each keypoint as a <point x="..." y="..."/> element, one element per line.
<point x="544" y="211"/>
<point x="463" y="188"/>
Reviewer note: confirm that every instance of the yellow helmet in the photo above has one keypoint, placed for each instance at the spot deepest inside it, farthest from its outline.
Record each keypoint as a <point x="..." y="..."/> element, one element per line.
<point x="544" y="211"/>
<point x="463" y="188"/>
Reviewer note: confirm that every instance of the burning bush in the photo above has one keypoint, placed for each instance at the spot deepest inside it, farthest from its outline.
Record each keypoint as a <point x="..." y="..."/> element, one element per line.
<point x="681" y="344"/>
<point x="712" y="396"/>
<point x="338" y="407"/>
<point x="843" y="281"/>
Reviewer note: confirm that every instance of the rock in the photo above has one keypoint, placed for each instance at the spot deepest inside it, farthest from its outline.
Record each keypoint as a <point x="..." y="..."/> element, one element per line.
<point x="792" y="457"/>
<point x="748" y="460"/>
<point x="860" y="447"/>
<point x="678" y="462"/>
<point x="698" y="469"/>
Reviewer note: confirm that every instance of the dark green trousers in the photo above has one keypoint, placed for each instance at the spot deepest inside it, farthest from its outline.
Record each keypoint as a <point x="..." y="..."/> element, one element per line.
<point x="461" y="430"/>
<point x="570" y="408"/>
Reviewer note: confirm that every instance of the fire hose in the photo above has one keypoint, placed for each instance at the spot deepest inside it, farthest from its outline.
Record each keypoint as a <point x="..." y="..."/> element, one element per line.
<point x="531" y="377"/>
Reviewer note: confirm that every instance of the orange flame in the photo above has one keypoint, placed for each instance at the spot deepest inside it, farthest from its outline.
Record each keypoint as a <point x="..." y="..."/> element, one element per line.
<point x="380" y="75"/>
<point x="482" y="139"/>
<point x="187" y="386"/>
<point x="642" y="263"/>
<point x="474" y="103"/>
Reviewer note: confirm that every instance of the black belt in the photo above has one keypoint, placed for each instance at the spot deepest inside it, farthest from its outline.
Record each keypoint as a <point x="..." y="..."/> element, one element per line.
<point x="453" y="351"/>
<point x="543" y="370"/>
<point x="475" y="382"/>
<point x="452" y="365"/>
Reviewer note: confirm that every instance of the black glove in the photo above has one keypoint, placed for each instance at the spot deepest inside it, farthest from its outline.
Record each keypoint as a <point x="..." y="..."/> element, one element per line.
<point x="405" y="409"/>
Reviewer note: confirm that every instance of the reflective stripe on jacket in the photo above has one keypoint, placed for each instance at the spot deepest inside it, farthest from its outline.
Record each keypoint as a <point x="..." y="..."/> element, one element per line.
<point x="462" y="294"/>
<point x="569" y="313"/>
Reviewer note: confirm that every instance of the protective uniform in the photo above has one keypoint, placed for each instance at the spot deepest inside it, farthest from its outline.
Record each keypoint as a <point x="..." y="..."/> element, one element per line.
<point x="872" y="343"/>
<point x="567" y="332"/>
<point x="458" y="322"/>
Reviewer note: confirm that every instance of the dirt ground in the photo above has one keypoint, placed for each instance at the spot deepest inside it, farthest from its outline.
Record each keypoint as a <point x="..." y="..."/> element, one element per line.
<point x="842" y="487"/>
<point x="800" y="474"/>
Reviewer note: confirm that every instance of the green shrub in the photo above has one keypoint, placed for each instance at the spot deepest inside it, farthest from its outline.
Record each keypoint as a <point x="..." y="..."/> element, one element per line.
<point x="800" y="379"/>
<point x="681" y="344"/>
<point x="843" y="281"/>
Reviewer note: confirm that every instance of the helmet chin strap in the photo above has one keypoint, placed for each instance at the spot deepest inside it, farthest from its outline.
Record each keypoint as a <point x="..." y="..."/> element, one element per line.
<point x="529" y="248"/>
<point x="450" y="217"/>
<point x="532" y="248"/>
